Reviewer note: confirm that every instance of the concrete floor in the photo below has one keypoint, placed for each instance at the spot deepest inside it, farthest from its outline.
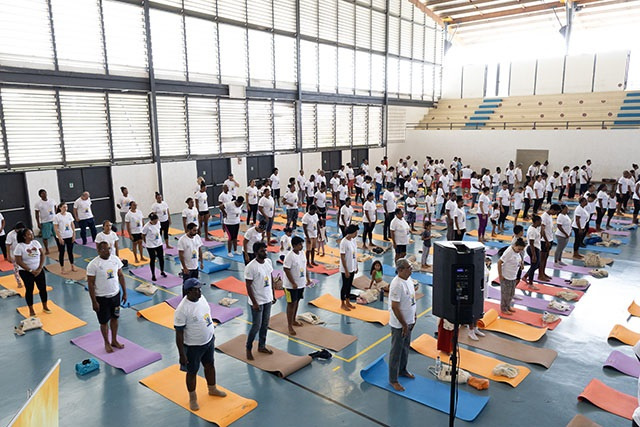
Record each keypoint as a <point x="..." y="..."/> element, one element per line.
<point x="327" y="392"/>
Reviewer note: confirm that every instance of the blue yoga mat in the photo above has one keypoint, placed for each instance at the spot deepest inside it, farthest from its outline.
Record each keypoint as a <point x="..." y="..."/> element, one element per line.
<point x="214" y="222"/>
<point x="423" y="278"/>
<point x="488" y="243"/>
<point x="222" y="253"/>
<point x="428" y="392"/>
<point x="603" y="249"/>
<point x="388" y="270"/>
<point x="209" y="266"/>
<point x="134" y="297"/>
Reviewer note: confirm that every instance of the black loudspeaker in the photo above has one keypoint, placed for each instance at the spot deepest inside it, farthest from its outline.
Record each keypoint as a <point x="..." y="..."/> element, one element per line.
<point x="458" y="275"/>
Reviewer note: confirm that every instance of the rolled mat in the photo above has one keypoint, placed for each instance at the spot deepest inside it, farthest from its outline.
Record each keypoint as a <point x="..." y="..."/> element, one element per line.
<point x="522" y="316"/>
<point x="223" y="411"/>
<point x="609" y="399"/>
<point x="57" y="321"/>
<point x="133" y="298"/>
<point x="361" y="312"/>
<point x="512" y="349"/>
<point x="323" y="269"/>
<point x="559" y="281"/>
<point x="470" y="361"/>
<point x="624" y="335"/>
<point x="130" y="358"/>
<point x="492" y="322"/>
<point x="9" y="282"/>
<point x="431" y="393"/>
<point x="621" y="362"/>
<point x="547" y="290"/>
<point x="634" y="309"/>
<point x="222" y="253"/>
<point x="5" y="265"/>
<point x="212" y="267"/>
<point x="126" y="253"/>
<point x="237" y="286"/>
<point x="219" y="313"/>
<point x="578" y="269"/>
<point x="170" y="281"/>
<point x="313" y="334"/>
<point x="161" y="314"/>
<point x="581" y="421"/>
<point x="535" y="303"/>
<point x="279" y="363"/>
<point x="78" y="275"/>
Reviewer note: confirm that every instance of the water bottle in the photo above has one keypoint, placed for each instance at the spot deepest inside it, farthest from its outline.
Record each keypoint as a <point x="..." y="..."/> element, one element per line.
<point x="229" y="295"/>
<point x="438" y="366"/>
<point x="381" y="291"/>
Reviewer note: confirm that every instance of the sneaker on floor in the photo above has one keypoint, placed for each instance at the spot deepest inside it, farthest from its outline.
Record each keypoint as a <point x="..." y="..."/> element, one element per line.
<point x="472" y="335"/>
<point x="239" y="252"/>
<point x="479" y="332"/>
<point x="230" y="254"/>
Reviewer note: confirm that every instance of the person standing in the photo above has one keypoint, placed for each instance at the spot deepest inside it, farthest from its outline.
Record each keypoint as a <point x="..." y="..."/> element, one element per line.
<point x="580" y="227"/>
<point x="369" y="219"/>
<point x="64" y="230"/>
<point x="259" y="282"/>
<point x="105" y="279"/>
<point x="378" y="178"/>
<point x="508" y="266"/>
<point x="636" y="202"/>
<point x="400" y="232"/>
<point x="190" y="252"/>
<point x="484" y="208"/>
<point x="290" y="200"/>
<point x="30" y="260"/>
<point x="460" y="219"/>
<point x="152" y="239"/>
<point x="602" y="202"/>
<point x="202" y="204"/>
<point x="300" y="184"/>
<point x="296" y="279"/>
<point x="533" y="249"/>
<point x="195" y="340"/>
<point x="310" y="190"/>
<point x="546" y="234"/>
<point x="84" y="217"/>
<point x="3" y="237"/>
<point x="232" y="184"/>
<point x="133" y="219"/>
<point x="320" y="200"/>
<point x="275" y="186"/>
<point x="161" y="209"/>
<point x="252" y="202"/>
<point x="109" y="236"/>
<point x="123" y="205"/>
<point x="563" y="233"/>
<point x="45" y="212"/>
<point x="231" y="222"/>
<point x="252" y="236"/>
<point x="402" y="318"/>
<point x="389" y="205"/>
<point x="348" y="265"/>
<point x="189" y="214"/>
<point x="266" y="207"/>
<point x="504" y="201"/>
<point x="11" y="243"/>
<point x="310" y="228"/>
<point x="450" y="210"/>
<point x="344" y="215"/>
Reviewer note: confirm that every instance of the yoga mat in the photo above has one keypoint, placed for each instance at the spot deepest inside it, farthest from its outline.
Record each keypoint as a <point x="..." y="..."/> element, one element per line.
<point x="134" y="297"/>
<point x="175" y="231"/>
<point x="280" y="274"/>
<point x="609" y="399"/>
<point x="214" y="222"/>
<point x="322" y="269"/>
<point x="212" y="267"/>
<point x="5" y="265"/>
<point x="57" y="321"/>
<point x="162" y="314"/>
<point x="429" y="392"/>
<point x="126" y="253"/>
<point x="9" y="282"/>
<point x="470" y="361"/>
<point x="216" y="244"/>
<point x="619" y="233"/>
<point x="169" y="383"/>
<point x="522" y="316"/>
<point x="492" y="322"/>
<point x="547" y="290"/>
<point x="388" y="270"/>
<point x="578" y="269"/>
<point x="634" y="309"/>
<point x="363" y="282"/>
<point x="501" y="237"/>
<point x="313" y="334"/>
<point x="619" y="361"/>
<point x="624" y="335"/>
<point x="166" y="282"/>
<point x="279" y="363"/>
<point x="559" y="281"/>
<point x="235" y="285"/>
<point x="362" y="312"/>
<point x="527" y="301"/>
<point x="79" y="275"/>
<point x="222" y="253"/>
<point x="173" y="252"/>
<point x="219" y="313"/>
<point x="603" y="249"/>
<point x="89" y="244"/>
<point x="511" y="349"/>
<point x="491" y="251"/>
<point x="582" y="421"/>
<point x="130" y="358"/>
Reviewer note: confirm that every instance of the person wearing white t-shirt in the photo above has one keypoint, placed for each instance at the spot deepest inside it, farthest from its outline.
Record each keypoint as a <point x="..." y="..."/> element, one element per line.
<point x="11" y="242"/>
<point x="551" y="186"/>
<point x="636" y="201"/>
<point x="231" y="212"/>
<point x="378" y="178"/>
<point x="538" y="193"/>
<point x="290" y="201"/>
<point x="310" y="229"/>
<point x="562" y="234"/>
<point x="486" y="179"/>
<point x="266" y="208"/>
<point x="484" y="210"/>
<point x="623" y="191"/>
<point x="285" y="242"/>
<point x="161" y="208"/>
<point x="195" y="340"/>
<point x="84" y="217"/>
<point x="190" y="252"/>
<point x="504" y="202"/>
<point x="301" y="180"/>
<point x="152" y="239"/>
<point x="533" y="248"/>
<point x="334" y="183"/>
<point x="259" y="282"/>
<point x="348" y="265"/>
<point x="444" y="179"/>
<point x="344" y="216"/>
<point x="495" y="181"/>
<point x="30" y="261"/>
<point x="320" y="200"/>
<point x="402" y="318"/>
<point x="400" y="232"/>
<point x="343" y="191"/>
<point x="65" y="231"/>
<point x="108" y="235"/>
<point x="369" y="219"/>
<point x="275" y="186"/>
<point x="134" y="222"/>
<point x="583" y="179"/>
<point x="389" y="205"/>
<point x="580" y="225"/>
<point x="508" y="266"/>
<point x="449" y="209"/>
<point x="189" y="214"/>
<point x="573" y="181"/>
<point x="459" y="219"/>
<point x="411" y="205"/>
<point x="3" y="237"/>
<point x="45" y="210"/>
<point x="296" y="278"/>
<point x="252" y="202"/>
<point x="253" y="235"/>
<point x="123" y="205"/>
<point x="309" y="190"/>
<point x="105" y="280"/>
<point x="202" y="204"/>
<point x="546" y="241"/>
<point x="232" y="184"/>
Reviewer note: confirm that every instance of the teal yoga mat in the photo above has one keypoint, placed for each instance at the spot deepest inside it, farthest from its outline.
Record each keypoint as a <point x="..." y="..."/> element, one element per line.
<point x="428" y="392"/>
<point x="423" y="278"/>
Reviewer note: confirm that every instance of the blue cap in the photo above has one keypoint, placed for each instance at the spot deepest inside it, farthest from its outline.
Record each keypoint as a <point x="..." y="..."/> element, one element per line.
<point x="191" y="283"/>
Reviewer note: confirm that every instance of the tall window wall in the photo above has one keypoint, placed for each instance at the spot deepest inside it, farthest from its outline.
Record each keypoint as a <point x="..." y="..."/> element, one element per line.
<point x="85" y="80"/>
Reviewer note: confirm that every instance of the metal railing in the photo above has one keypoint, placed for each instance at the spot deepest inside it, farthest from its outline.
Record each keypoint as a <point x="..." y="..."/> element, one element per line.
<point x="543" y="124"/>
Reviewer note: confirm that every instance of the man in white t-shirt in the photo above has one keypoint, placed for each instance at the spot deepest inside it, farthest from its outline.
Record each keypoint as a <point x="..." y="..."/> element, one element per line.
<point x="105" y="279"/>
<point x="402" y="318"/>
<point x="109" y="236"/>
<point x="400" y="232"/>
<point x="45" y="211"/>
<point x="300" y="184"/>
<point x="296" y="278"/>
<point x="202" y="203"/>
<point x="310" y="228"/>
<point x="84" y="217"/>
<point x="389" y="205"/>
<point x="195" y="340"/>
<point x="190" y="252"/>
<point x="546" y="235"/>
<point x="232" y="184"/>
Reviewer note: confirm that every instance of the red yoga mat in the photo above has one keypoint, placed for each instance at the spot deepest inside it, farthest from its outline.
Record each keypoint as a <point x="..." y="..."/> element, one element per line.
<point x="237" y="286"/>
<point x="609" y="399"/>
<point x="522" y="316"/>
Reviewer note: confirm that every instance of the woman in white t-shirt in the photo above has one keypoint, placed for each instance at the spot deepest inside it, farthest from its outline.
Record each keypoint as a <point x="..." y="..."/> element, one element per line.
<point x="369" y="219"/>
<point x="484" y="210"/>
<point x="202" y="203"/>
<point x="602" y="202"/>
<point x="310" y="229"/>
<point x="476" y="189"/>
<point x="152" y="238"/>
<point x="3" y="237"/>
<point x="348" y="264"/>
<point x="563" y="233"/>
<point x="252" y="202"/>
<point x="533" y="248"/>
<point x="400" y="232"/>
<point x="133" y="219"/>
<point x="109" y="236"/>
<point x="30" y="260"/>
<point x="161" y="208"/>
<point x="266" y="208"/>
<point x="580" y="225"/>
<point x="189" y="214"/>
<point x="123" y="205"/>
<point x="231" y="212"/>
<point x="65" y="231"/>
<point x="275" y="188"/>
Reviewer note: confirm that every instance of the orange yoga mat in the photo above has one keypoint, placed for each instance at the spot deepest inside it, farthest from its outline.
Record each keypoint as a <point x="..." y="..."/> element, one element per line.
<point x="492" y="322"/>
<point x="5" y="265"/>
<point x="548" y="289"/>
<point x="469" y="360"/>
<point x="323" y="269"/>
<point x="634" y="309"/>
<point x="57" y="321"/>
<point x="9" y="282"/>
<point x="609" y="399"/>
<point x="126" y="253"/>
<point x="169" y="383"/>
<point x="581" y="421"/>
<point x="523" y="316"/>
<point x="362" y="312"/>
<point x="624" y="335"/>
<point x="221" y="235"/>
<point x="162" y="314"/>
<point x="175" y="231"/>
<point x="235" y="285"/>
<point x="502" y="237"/>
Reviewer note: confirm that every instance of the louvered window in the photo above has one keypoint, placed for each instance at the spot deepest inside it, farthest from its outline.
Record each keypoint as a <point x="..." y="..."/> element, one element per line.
<point x="167" y="45"/>
<point x="406" y="33"/>
<point x="232" y="9"/>
<point x="84" y="126"/>
<point x="203" y="6"/>
<point x="416" y="80"/>
<point x="261" y="58"/>
<point x="418" y="42"/>
<point x="328" y="68"/>
<point x="308" y="126"/>
<point x="418" y="16"/>
<point x="233" y="125"/>
<point x="309" y="17"/>
<point x="125" y="38"/>
<point x="375" y="126"/>
<point x="394" y="35"/>
<point x="284" y="12"/>
<point x="379" y="4"/>
<point x="77" y="26"/>
<point x="346" y="23"/>
<point x="31" y="120"/>
<point x="309" y="65"/>
<point x="393" y="68"/>
<point x="437" y="82"/>
<point x="172" y="126"/>
<point x="25" y="34"/>
<point x="428" y="82"/>
<point x="405" y="77"/>
<point x="326" y="125"/>
<point x="346" y="71"/>
<point x="328" y="19"/>
<point x="363" y="72"/>
<point x="202" y="50"/>
<point x="233" y="54"/>
<point x="430" y="45"/>
<point x="406" y="9"/>
<point x="260" y="126"/>
<point x="396" y="124"/>
<point x="363" y="27"/>
<point x="285" y="54"/>
<point x="343" y="125"/>
<point x="394" y="7"/>
<point x="378" y="31"/>
<point x="284" y="126"/>
<point x="260" y="12"/>
<point x="130" y="134"/>
<point x="203" y="126"/>
<point x="360" y="127"/>
<point x="377" y="74"/>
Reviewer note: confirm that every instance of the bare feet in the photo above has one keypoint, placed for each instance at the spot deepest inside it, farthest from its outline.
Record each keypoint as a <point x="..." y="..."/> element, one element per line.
<point x="350" y="305"/>
<point x="116" y="344"/>
<point x="249" y="355"/>
<point x="345" y="307"/>
<point x="73" y="268"/>
<point x="544" y="278"/>
<point x="142" y="259"/>
<point x="169" y="247"/>
<point x="408" y="375"/>
<point x="32" y="313"/>
<point x="108" y="347"/>
<point x="397" y="387"/>
<point x="296" y="323"/>
<point x="63" y="271"/>
<point x="292" y="331"/>
<point x="265" y="350"/>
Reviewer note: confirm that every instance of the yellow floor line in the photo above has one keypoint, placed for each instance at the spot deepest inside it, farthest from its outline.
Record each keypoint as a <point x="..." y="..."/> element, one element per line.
<point x="336" y="368"/>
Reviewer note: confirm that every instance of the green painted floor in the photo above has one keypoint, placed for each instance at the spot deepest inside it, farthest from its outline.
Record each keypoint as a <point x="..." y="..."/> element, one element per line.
<point x="327" y="392"/>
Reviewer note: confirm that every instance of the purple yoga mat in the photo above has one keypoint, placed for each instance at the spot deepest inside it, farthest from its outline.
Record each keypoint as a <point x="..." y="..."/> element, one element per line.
<point x="170" y="281"/>
<point x="132" y="357"/>
<point x="623" y="363"/>
<point x="559" y="281"/>
<point x="218" y="312"/>
<point x="171" y="252"/>
<point x="578" y="269"/>
<point x="619" y="233"/>
<point x="212" y="243"/>
<point x="280" y="274"/>
<point x="527" y="301"/>
<point x="491" y="251"/>
<point x="90" y="243"/>
<point x="621" y="221"/>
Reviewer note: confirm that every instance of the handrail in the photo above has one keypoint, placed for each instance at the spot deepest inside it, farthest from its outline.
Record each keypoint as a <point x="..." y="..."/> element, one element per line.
<point x="544" y="124"/>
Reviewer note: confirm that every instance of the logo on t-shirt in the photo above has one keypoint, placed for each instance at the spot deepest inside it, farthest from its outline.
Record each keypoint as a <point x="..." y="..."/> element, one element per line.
<point x="110" y="274"/>
<point x="32" y="252"/>
<point x="138" y="224"/>
<point x="207" y="319"/>
<point x="194" y="254"/>
<point x="301" y="272"/>
<point x="86" y="210"/>
<point x="266" y="281"/>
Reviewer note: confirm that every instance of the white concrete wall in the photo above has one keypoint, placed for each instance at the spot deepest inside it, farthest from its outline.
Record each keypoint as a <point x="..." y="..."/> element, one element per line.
<point x="179" y="182"/>
<point x="610" y="151"/>
<point x="37" y="180"/>
<point x="311" y="162"/>
<point x="239" y="171"/>
<point x="375" y="155"/>
<point x="142" y="182"/>
<point x="346" y="157"/>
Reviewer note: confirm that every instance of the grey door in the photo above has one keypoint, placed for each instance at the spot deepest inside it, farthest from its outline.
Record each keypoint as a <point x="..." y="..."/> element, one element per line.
<point x="214" y="172"/>
<point x="14" y="201"/>
<point x="97" y="181"/>
<point x="527" y="157"/>
<point x="358" y="155"/>
<point x="331" y="161"/>
<point x="259" y="167"/>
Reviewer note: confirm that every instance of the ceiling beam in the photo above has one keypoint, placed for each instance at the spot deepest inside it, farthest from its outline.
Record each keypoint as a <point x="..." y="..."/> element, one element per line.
<point x="428" y="12"/>
<point x="519" y="11"/>
<point x="477" y="5"/>
<point x="430" y="3"/>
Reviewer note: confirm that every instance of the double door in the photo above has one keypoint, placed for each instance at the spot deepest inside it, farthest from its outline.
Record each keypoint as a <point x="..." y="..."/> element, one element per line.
<point x="214" y="172"/>
<point x="14" y="200"/>
<point x="259" y="168"/>
<point x="97" y="181"/>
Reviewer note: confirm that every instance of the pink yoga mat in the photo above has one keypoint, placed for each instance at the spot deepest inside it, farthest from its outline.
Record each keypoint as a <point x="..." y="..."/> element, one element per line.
<point x="578" y="269"/>
<point x="218" y="312"/>
<point x="90" y="243"/>
<point x="527" y="301"/>
<point x="559" y="281"/>
<point x="170" y="281"/>
<point x="622" y="233"/>
<point x="628" y="365"/>
<point x="132" y="357"/>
